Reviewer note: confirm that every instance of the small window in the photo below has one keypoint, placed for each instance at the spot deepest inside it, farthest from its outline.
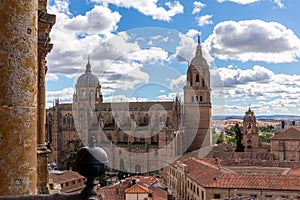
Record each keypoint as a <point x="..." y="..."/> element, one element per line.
<point x="281" y="143"/>
<point x="217" y="196"/>
<point x="197" y="78"/>
<point x="201" y="98"/>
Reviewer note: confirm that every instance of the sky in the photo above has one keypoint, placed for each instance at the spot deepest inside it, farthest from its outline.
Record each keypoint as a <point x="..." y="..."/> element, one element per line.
<point x="140" y="50"/>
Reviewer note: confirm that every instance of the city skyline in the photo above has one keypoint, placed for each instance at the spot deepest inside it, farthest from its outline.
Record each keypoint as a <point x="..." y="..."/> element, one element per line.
<point x="252" y="48"/>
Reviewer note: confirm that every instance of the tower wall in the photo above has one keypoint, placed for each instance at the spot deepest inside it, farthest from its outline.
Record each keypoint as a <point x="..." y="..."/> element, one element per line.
<point x="197" y="105"/>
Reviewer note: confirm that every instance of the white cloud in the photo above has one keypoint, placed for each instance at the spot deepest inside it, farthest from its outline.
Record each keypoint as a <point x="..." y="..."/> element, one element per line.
<point x="185" y="51"/>
<point x="204" y="20"/>
<point x="148" y="7"/>
<point x="198" y="7"/>
<point x="192" y="33"/>
<point x="65" y="96"/>
<point x="157" y="39"/>
<point x="244" y="2"/>
<point x="151" y="55"/>
<point x="97" y="21"/>
<point x="279" y="3"/>
<point x="51" y="77"/>
<point x="253" y="40"/>
<point x="178" y="83"/>
<point x="168" y="97"/>
<point x="266" y="91"/>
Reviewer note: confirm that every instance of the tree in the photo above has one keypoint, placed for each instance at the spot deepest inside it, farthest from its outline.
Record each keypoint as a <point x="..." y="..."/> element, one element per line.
<point x="239" y="139"/>
<point x="73" y="148"/>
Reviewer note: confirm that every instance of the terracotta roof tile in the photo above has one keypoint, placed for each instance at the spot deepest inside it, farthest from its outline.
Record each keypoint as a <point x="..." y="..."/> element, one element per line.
<point x="203" y="172"/>
<point x="272" y="182"/>
<point x="145" y="184"/>
<point x="65" y="176"/>
<point x="211" y="176"/>
<point x="289" y="133"/>
<point x="137" y="188"/>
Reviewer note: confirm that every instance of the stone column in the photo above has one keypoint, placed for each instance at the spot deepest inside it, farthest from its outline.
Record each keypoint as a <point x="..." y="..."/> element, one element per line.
<point x="45" y="23"/>
<point x="18" y="97"/>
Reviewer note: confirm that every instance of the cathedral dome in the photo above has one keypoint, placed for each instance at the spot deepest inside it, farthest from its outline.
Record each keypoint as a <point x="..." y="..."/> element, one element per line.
<point x="88" y="78"/>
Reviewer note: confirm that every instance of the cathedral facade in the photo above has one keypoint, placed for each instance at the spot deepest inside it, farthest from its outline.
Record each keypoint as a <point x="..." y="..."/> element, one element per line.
<point x="137" y="136"/>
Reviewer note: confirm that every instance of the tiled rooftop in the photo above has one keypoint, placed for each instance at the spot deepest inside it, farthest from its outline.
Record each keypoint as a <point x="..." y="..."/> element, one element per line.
<point x="143" y="185"/>
<point x="65" y="176"/>
<point x="137" y="189"/>
<point x="211" y="176"/>
<point x="290" y="133"/>
<point x="265" y="182"/>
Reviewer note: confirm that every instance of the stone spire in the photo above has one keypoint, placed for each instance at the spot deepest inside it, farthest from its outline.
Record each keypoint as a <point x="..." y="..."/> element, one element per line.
<point x="88" y="67"/>
<point x="198" y="50"/>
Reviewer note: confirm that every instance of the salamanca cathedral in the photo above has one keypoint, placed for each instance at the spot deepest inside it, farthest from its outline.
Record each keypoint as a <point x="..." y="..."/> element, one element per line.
<point x="137" y="136"/>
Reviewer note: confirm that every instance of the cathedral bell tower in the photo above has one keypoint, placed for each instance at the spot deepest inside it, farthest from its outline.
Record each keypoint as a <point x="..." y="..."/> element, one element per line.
<point x="197" y="104"/>
<point x="250" y="131"/>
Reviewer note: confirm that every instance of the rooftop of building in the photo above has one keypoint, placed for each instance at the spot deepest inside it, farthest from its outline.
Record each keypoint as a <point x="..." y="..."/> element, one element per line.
<point x="135" y="185"/>
<point x="209" y="175"/>
<point x="291" y="133"/>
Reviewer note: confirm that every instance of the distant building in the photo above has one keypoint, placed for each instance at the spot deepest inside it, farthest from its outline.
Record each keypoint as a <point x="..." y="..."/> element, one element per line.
<point x="138" y="136"/>
<point x="65" y="182"/>
<point x="136" y="188"/>
<point x="192" y="178"/>
<point x="286" y="144"/>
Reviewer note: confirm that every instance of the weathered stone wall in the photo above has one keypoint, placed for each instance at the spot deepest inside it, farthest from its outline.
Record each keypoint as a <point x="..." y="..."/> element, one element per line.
<point x="18" y="104"/>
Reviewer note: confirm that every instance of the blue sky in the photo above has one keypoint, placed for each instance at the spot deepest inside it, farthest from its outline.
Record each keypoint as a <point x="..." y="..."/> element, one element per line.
<point x="140" y="50"/>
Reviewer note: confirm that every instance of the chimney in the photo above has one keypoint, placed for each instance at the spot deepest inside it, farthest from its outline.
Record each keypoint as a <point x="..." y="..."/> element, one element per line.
<point x="133" y="181"/>
<point x="293" y="123"/>
<point x="282" y="124"/>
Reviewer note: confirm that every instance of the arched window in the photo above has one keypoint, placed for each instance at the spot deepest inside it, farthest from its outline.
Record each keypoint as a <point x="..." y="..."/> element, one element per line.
<point x="125" y="138"/>
<point x="91" y="94"/>
<point x="82" y="93"/>
<point x="65" y="120"/>
<point x="197" y="77"/>
<point x="109" y="137"/>
<point x="197" y="99"/>
<point x="68" y="120"/>
<point x="142" y="139"/>
<point x="138" y="168"/>
<point x="192" y="99"/>
<point x="203" y="83"/>
<point x="201" y="98"/>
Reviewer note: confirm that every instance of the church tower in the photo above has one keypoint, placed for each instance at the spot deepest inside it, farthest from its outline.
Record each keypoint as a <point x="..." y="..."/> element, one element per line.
<point x="250" y="131"/>
<point x="197" y="104"/>
<point x="87" y="95"/>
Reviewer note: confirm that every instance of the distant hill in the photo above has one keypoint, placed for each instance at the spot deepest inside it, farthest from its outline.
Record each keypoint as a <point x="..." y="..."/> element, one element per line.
<point x="259" y="117"/>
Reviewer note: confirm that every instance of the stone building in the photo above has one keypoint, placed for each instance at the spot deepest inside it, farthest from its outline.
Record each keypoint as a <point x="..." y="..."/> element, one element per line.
<point x="138" y="136"/>
<point x="192" y="178"/>
<point x="285" y="144"/>
<point x="135" y="188"/>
